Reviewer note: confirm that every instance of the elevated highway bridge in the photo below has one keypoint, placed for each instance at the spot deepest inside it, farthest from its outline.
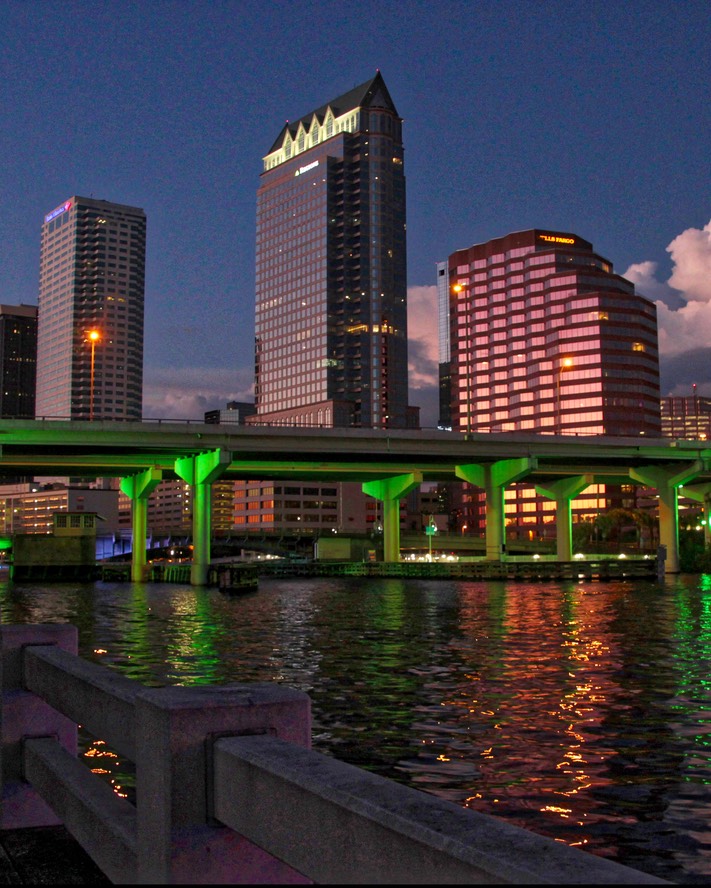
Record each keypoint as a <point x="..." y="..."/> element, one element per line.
<point x="388" y="464"/>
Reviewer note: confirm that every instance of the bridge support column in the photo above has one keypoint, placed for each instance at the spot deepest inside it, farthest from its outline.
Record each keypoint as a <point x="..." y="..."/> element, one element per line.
<point x="200" y="471"/>
<point x="138" y="488"/>
<point x="667" y="481"/>
<point x="494" y="477"/>
<point x="563" y="492"/>
<point x="390" y="491"/>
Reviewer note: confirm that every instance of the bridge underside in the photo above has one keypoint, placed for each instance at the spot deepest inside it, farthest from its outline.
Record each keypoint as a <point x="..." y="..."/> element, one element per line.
<point x="387" y="463"/>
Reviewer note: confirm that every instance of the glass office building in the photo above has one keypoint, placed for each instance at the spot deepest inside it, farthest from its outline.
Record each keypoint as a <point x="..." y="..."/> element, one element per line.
<point x="90" y="311"/>
<point x="331" y="289"/>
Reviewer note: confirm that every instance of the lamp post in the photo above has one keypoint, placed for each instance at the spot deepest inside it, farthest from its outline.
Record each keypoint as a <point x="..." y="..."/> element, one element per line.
<point x="93" y="336"/>
<point x="430" y="530"/>
<point x="565" y="364"/>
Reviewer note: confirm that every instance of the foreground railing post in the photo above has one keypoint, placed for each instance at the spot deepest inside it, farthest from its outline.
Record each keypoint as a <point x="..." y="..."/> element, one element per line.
<point x="25" y="715"/>
<point x="178" y="840"/>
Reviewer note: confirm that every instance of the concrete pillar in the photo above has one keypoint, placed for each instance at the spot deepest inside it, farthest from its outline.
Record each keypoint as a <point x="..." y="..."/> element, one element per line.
<point x="666" y="480"/>
<point x="25" y="715"/>
<point x="138" y="488"/>
<point x="178" y="840"/>
<point x="200" y="471"/>
<point x="390" y="491"/>
<point x="563" y="492"/>
<point x="493" y="478"/>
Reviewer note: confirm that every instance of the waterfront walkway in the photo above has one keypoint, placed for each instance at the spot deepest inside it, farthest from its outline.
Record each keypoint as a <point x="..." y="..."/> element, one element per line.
<point x="527" y="569"/>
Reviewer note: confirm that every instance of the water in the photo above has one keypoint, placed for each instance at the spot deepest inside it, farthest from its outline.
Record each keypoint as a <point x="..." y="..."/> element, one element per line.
<point x="577" y="710"/>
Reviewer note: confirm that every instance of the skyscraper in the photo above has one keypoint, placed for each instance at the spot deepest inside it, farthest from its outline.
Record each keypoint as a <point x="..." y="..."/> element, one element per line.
<point x="546" y="338"/>
<point x="18" y="360"/>
<point x="331" y="289"/>
<point x="90" y="311"/>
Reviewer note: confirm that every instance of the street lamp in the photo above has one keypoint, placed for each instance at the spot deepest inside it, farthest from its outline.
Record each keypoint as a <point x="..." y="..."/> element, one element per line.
<point x="93" y="337"/>
<point x="430" y="530"/>
<point x="565" y="364"/>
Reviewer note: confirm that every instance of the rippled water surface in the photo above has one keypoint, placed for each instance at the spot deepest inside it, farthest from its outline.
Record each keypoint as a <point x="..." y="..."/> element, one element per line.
<point x="579" y="711"/>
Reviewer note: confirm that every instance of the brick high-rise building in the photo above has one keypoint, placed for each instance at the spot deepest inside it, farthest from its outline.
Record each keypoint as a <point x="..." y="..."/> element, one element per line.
<point x="546" y="338"/>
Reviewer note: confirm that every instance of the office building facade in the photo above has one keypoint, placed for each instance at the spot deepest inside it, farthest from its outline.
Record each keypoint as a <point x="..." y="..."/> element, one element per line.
<point x="235" y="413"/>
<point x="687" y="418"/>
<point x="545" y="338"/>
<point x="90" y="311"/>
<point x="331" y="289"/>
<point x="18" y="361"/>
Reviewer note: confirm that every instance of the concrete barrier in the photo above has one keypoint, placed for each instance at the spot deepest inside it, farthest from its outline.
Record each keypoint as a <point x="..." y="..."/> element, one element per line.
<point x="229" y="791"/>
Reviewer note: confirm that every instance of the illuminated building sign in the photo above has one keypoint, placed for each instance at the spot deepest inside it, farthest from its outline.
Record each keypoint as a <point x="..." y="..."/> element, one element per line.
<point x="60" y="209"/>
<point x="556" y="239"/>
<point x="305" y="169"/>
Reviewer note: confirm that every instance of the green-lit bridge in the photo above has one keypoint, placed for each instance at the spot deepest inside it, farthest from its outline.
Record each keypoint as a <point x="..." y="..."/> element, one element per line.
<point x="388" y="464"/>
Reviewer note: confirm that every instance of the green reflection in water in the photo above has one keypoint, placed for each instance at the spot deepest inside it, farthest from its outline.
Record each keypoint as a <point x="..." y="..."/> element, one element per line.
<point x="191" y="649"/>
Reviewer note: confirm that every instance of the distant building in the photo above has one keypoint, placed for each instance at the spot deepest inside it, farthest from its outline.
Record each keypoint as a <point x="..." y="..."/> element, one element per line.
<point x="687" y="418"/>
<point x="235" y="412"/>
<point x="546" y="338"/>
<point x="18" y="361"/>
<point x="90" y="311"/>
<point x="30" y="507"/>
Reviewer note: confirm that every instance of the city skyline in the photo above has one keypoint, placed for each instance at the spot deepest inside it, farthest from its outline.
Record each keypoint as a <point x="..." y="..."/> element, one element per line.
<point x="511" y="121"/>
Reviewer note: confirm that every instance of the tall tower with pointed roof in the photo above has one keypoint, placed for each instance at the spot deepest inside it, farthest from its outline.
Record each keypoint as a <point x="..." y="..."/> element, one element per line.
<point x="331" y="288"/>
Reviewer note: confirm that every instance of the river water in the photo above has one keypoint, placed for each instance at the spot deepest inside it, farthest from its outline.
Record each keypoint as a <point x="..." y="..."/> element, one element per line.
<point x="580" y="711"/>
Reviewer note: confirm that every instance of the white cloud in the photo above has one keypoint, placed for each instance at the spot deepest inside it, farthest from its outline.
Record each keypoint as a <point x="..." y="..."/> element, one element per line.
<point x="691" y="252"/>
<point x="643" y="276"/>
<point x="688" y="326"/>
<point x="186" y="393"/>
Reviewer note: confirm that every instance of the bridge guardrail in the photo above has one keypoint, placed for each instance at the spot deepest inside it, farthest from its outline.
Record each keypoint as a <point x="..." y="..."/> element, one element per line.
<point x="228" y="789"/>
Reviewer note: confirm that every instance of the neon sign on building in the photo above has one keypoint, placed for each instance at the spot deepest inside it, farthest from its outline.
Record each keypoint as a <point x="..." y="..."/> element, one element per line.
<point x="62" y="208"/>
<point x="556" y="239"/>
<point x="305" y="169"/>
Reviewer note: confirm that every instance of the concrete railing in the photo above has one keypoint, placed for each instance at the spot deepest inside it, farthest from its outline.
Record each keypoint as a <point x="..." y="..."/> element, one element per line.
<point x="229" y="791"/>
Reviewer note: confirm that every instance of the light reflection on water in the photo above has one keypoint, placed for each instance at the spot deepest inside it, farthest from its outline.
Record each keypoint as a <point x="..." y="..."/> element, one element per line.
<point x="580" y="711"/>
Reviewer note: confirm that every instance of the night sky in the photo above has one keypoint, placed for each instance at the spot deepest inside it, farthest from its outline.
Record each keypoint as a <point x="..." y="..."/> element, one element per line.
<point x="586" y="117"/>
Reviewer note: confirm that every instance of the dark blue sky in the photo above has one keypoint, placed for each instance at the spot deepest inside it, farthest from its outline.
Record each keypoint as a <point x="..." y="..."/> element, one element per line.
<point x="590" y="117"/>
